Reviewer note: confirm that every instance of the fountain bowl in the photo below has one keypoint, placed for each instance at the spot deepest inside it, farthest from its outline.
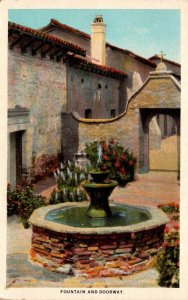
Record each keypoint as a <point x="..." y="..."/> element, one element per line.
<point x="95" y="251"/>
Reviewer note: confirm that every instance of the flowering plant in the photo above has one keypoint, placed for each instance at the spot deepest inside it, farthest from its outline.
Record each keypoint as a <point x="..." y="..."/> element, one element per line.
<point x="69" y="177"/>
<point x="168" y="258"/>
<point x="113" y="157"/>
<point x="22" y="201"/>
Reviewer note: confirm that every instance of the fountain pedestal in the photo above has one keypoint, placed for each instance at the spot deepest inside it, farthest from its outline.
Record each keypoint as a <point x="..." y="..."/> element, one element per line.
<point x="99" y="193"/>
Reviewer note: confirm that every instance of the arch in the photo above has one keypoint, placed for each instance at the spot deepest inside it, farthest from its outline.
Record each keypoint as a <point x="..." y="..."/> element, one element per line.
<point x="146" y="114"/>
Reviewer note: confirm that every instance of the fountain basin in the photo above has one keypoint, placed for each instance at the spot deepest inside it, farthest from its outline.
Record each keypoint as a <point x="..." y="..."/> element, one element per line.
<point x="95" y="251"/>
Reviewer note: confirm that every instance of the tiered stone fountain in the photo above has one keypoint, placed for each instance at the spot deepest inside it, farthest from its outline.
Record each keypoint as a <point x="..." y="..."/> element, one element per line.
<point x="99" y="240"/>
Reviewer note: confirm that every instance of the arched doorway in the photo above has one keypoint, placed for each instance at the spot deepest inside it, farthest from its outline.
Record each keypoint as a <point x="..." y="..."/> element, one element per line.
<point x="146" y="116"/>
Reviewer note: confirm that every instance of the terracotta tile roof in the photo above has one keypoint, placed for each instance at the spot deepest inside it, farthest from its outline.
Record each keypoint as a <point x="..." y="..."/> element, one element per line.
<point x="167" y="60"/>
<point x="112" y="72"/>
<point x="47" y="37"/>
<point x="88" y="36"/>
<point x="69" y="28"/>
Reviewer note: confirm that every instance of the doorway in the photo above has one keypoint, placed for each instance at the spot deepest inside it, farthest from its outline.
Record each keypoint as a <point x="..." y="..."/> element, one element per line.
<point x="146" y="115"/>
<point x="16" y="152"/>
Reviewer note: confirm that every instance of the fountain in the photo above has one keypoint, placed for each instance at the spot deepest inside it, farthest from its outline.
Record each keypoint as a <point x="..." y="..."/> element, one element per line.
<point x="99" y="240"/>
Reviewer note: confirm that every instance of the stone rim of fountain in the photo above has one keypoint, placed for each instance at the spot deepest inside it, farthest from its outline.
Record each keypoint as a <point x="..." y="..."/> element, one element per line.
<point x="158" y="218"/>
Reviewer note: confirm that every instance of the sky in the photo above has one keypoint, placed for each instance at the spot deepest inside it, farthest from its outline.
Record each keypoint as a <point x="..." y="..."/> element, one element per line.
<point x="143" y="31"/>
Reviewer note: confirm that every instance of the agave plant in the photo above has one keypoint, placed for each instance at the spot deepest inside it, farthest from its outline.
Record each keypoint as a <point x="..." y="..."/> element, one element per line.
<point x="69" y="177"/>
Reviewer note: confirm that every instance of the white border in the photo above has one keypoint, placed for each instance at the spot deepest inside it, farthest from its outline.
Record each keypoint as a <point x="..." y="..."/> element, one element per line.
<point x="129" y="293"/>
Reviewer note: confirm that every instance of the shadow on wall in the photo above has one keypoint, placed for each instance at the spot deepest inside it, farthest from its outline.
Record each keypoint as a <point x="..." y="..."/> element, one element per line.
<point x="69" y="136"/>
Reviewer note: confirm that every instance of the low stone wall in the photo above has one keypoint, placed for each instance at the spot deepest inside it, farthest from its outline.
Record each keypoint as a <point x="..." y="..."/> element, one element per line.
<point x="95" y="255"/>
<point x="95" y="251"/>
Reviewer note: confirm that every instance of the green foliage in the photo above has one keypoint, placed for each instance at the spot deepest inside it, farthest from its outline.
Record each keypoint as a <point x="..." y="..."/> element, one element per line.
<point x="168" y="258"/>
<point x="22" y="202"/>
<point x="170" y="208"/>
<point x="114" y="157"/>
<point x="69" y="178"/>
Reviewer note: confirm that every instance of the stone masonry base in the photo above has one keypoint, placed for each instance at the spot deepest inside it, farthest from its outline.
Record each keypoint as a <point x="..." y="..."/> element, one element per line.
<point x="95" y="255"/>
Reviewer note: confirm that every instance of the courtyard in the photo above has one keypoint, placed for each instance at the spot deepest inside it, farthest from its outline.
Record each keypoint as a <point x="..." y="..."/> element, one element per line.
<point x="153" y="188"/>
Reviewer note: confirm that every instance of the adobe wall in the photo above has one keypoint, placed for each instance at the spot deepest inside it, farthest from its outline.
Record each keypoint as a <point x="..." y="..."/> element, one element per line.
<point x="99" y="93"/>
<point x="39" y="85"/>
<point x="80" y="131"/>
<point x="137" y="71"/>
<point x="129" y="128"/>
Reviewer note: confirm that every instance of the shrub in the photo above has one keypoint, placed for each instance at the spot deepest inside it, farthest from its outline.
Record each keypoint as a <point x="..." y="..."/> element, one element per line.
<point x="170" y="208"/>
<point x="113" y="157"/>
<point x="22" y="202"/>
<point x="69" y="178"/>
<point x="168" y="258"/>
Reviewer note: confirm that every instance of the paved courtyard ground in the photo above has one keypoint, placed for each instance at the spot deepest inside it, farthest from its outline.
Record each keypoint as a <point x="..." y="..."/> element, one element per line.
<point x="153" y="188"/>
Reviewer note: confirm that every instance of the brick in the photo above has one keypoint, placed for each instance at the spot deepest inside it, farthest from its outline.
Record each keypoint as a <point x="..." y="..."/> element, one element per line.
<point x="110" y="252"/>
<point x="58" y="255"/>
<point x="57" y="245"/>
<point x="83" y="245"/>
<point x="53" y="240"/>
<point x="78" y="250"/>
<point x="124" y="255"/>
<point x="44" y="252"/>
<point x="143" y="255"/>
<point x="38" y="246"/>
<point x="108" y="247"/>
<point x="86" y="261"/>
<point x="152" y="241"/>
<point x="93" y="248"/>
<point x="123" y="250"/>
<point x="48" y="246"/>
<point x="125" y="245"/>
<point x="42" y="238"/>
<point x="83" y="253"/>
<point x="135" y="261"/>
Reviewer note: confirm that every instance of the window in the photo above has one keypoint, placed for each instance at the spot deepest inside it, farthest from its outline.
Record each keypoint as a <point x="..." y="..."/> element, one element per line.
<point x="106" y="86"/>
<point x="88" y="113"/>
<point x="82" y="80"/>
<point x="99" y="86"/>
<point x="113" y="113"/>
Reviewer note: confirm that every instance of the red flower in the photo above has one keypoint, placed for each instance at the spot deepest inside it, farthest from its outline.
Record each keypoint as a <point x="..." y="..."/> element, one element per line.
<point x="112" y="141"/>
<point x="105" y="157"/>
<point x="8" y="185"/>
<point x="114" y="152"/>
<point x="131" y="163"/>
<point x="122" y="171"/>
<point x="105" y="147"/>
<point x="176" y="225"/>
<point x="176" y="243"/>
<point x="123" y="156"/>
<point x="167" y="229"/>
<point x="104" y="168"/>
<point x="165" y="244"/>
<point x="117" y="164"/>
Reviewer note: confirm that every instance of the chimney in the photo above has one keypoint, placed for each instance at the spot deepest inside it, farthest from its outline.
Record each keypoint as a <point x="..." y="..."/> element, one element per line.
<point x="98" y="41"/>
